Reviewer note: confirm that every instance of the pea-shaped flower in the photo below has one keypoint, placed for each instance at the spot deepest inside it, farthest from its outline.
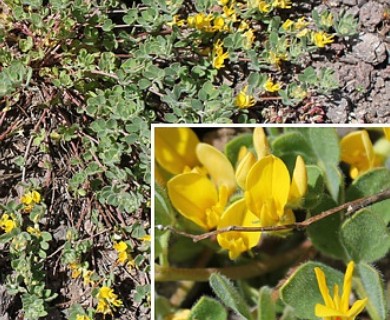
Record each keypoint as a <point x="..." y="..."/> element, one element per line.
<point x="201" y="198"/>
<point x="196" y="197"/>
<point x="357" y="151"/>
<point x="238" y="242"/>
<point x="269" y="189"/>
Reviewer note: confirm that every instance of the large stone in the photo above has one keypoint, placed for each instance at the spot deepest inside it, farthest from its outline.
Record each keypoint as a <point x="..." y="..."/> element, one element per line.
<point x="371" y="14"/>
<point x="370" y="49"/>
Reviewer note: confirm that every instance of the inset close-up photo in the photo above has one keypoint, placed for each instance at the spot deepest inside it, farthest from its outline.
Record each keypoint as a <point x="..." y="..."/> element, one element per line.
<point x="271" y="223"/>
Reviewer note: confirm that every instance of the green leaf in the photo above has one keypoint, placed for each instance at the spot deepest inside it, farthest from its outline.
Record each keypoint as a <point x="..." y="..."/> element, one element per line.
<point x="365" y="236"/>
<point x="333" y="180"/>
<point x="325" y="144"/>
<point x="253" y="80"/>
<point x="153" y="72"/>
<point x="233" y="147"/>
<point x="162" y="307"/>
<point x="208" y="309"/>
<point x="288" y="314"/>
<point x="325" y="233"/>
<point x="308" y="76"/>
<point x="164" y="213"/>
<point x="25" y="44"/>
<point x="131" y="16"/>
<point x="228" y="294"/>
<point x="370" y="285"/>
<point x="301" y="290"/>
<point x="368" y="184"/>
<point x="315" y="186"/>
<point x="266" y="306"/>
<point x="291" y="144"/>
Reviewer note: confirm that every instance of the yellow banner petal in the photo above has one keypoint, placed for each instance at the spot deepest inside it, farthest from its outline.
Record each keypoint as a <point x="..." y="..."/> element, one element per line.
<point x="268" y="185"/>
<point x="218" y="166"/>
<point x="175" y="149"/>
<point x="193" y="194"/>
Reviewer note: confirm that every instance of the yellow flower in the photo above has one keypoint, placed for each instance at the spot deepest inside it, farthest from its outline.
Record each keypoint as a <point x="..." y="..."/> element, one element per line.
<point x="276" y="58"/>
<point x="243" y="100"/>
<point x="7" y="223"/>
<point x="31" y="197"/>
<point x="87" y="274"/>
<point x="249" y="38"/>
<point x="238" y="242"/>
<point x="219" y="56"/>
<point x="269" y="188"/>
<point x="219" y="24"/>
<point x="264" y="7"/>
<point x="124" y="257"/>
<point x="230" y="12"/>
<point x="260" y="143"/>
<point x="283" y="4"/>
<point x="197" y="198"/>
<point x="337" y="308"/>
<point x="287" y="25"/>
<point x="82" y="317"/>
<point x="200" y="21"/>
<point x="303" y="33"/>
<point x="270" y="86"/>
<point x="247" y="160"/>
<point x="243" y="26"/>
<point x="103" y="307"/>
<point x="120" y="246"/>
<point x="358" y="151"/>
<point x="244" y="165"/>
<point x="76" y="269"/>
<point x="176" y="21"/>
<point x="298" y="183"/>
<point x="107" y="300"/>
<point x="320" y="39"/>
<point x="175" y="149"/>
<point x="146" y="237"/>
<point x="218" y="167"/>
<point x="300" y="24"/>
<point x="34" y="231"/>
<point x="179" y="315"/>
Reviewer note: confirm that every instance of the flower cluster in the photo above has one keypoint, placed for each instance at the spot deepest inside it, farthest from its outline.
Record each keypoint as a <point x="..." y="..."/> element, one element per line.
<point x="124" y="256"/>
<point x="30" y="199"/>
<point x="202" y="191"/>
<point x="81" y="270"/>
<point x="224" y="33"/>
<point x="7" y="223"/>
<point x="107" y="300"/>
